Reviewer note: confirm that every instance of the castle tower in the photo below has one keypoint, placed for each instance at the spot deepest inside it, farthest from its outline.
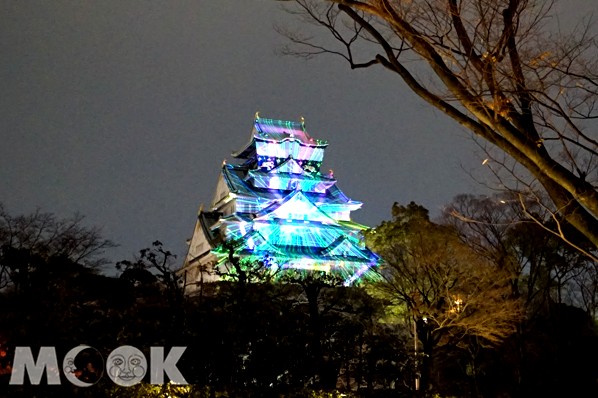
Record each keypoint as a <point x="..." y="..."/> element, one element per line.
<point x="276" y="204"/>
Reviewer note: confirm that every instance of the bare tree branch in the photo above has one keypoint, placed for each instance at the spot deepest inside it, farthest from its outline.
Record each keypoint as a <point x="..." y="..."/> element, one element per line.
<point x="498" y="71"/>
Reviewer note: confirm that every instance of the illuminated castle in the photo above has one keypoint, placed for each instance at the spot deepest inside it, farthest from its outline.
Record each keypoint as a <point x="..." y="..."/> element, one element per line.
<point x="275" y="204"/>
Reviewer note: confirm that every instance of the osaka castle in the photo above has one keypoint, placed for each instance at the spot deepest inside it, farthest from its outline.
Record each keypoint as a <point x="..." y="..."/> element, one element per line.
<point x="276" y="206"/>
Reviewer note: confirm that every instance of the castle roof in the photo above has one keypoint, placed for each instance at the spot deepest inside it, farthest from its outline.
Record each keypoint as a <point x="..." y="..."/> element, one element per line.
<point x="235" y="178"/>
<point x="272" y="130"/>
<point x="278" y="206"/>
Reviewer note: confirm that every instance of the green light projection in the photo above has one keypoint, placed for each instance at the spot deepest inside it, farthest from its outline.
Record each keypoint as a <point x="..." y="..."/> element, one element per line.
<point x="287" y="214"/>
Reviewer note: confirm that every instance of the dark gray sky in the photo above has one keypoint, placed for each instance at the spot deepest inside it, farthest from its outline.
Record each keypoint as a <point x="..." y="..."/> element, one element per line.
<point x="124" y="110"/>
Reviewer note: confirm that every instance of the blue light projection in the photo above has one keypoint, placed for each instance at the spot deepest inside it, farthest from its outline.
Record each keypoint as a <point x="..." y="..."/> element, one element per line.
<point x="286" y="211"/>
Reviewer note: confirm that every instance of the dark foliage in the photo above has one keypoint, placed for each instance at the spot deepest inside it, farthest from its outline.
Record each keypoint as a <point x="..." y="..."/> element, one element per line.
<point x="297" y="337"/>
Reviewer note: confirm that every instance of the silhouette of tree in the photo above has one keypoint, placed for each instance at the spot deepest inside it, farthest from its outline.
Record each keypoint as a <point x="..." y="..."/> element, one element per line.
<point x="451" y="293"/>
<point x="154" y="264"/>
<point x="543" y="268"/>
<point x="31" y="243"/>
<point x="499" y="68"/>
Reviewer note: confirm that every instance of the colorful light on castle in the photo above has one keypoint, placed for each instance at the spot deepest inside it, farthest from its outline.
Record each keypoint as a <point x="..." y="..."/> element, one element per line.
<point x="275" y="204"/>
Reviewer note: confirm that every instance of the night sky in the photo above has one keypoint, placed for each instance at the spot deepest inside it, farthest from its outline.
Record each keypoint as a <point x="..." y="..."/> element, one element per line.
<point x="124" y="110"/>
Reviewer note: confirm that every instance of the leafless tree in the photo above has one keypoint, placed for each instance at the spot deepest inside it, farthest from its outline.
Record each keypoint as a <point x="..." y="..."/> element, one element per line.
<point x="27" y="241"/>
<point x="500" y="69"/>
<point x="543" y="269"/>
<point x="585" y="293"/>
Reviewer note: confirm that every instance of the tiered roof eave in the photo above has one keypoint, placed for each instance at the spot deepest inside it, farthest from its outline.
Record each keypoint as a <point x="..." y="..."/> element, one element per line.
<point x="273" y="130"/>
<point x="277" y="205"/>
